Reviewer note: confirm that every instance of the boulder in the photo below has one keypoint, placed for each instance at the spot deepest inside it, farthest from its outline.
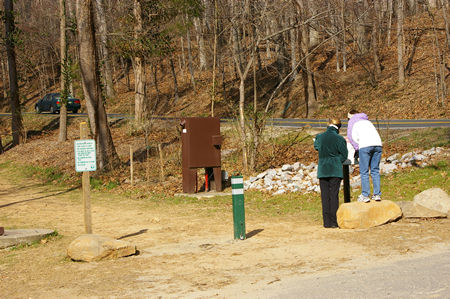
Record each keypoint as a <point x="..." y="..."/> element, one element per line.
<point x="412" y="210"/>
<point x="434" y="199"/>
<point x="365" y="215"/>
<point x="90" y="247"/>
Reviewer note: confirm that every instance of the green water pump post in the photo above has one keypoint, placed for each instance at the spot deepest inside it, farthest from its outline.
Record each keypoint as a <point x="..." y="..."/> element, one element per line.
<point x="237" y="191"/>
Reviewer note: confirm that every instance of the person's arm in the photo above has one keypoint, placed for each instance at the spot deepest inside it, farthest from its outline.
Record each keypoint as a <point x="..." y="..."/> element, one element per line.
<point x="342" y="148"/>
<point x="354" y="137"/>
<point x="317" y="142"/>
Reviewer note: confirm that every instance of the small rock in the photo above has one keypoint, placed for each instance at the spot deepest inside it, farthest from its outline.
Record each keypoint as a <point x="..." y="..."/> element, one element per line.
<point x="393" y="157"/>
<point x="406" y="157"/>
<point x="296" y="166"/>
<point x="387" y="168"/>
<point x="280" y="191"/>
<point x="253" y="179"/>
<point x="287" y="167"/>
<point x="429" y="152"/>
<point x="271" y="172"/>
<point x="261" y="175"/>
<point x="419" y="157"/>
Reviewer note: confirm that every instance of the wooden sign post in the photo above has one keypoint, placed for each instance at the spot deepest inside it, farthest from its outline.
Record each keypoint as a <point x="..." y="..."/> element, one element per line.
<point x="85" y="161"/>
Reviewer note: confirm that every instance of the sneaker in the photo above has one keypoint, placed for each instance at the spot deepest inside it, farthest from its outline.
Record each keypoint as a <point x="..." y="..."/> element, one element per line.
<point x="362" y="198"/>
<point x="376" y="197"/>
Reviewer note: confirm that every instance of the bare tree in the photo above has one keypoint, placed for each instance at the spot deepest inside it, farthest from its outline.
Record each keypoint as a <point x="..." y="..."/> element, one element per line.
<point x="64" y="69"/>
<point x="107" y="155"/>
<point x="18" y="132"/>
<point x="4" y="80"/>
<point x="445" y="7"/>
<point x="104" y="51"/>
<point x="374" y="38"/>
<point x="400" y="44"/>
<point x="308" y="76"/>
<point x="140" y="107"/>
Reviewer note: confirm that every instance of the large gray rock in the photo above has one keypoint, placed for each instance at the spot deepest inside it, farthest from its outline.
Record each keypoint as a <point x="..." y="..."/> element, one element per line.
<point x="434" y="199"/>
<point x="365" y="215"/>
<point x="412" y="210"/>
<point x="92" y="247"/>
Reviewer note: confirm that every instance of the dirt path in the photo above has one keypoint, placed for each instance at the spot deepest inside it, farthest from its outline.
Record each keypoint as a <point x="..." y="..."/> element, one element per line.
<point x="185" y="252"/>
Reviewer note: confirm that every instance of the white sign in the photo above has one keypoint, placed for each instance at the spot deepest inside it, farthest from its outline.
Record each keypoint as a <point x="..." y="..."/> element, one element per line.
<point x="85" y="155"/>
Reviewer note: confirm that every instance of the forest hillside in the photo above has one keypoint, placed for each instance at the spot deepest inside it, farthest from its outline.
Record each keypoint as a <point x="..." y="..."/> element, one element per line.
<point x="311" y="58"/>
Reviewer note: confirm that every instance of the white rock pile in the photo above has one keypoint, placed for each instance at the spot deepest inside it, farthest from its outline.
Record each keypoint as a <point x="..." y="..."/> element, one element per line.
<point x="299" y="177"/>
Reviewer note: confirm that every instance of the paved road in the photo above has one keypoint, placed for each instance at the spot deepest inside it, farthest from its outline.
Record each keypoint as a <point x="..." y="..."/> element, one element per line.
<point x="424" y="277"/>
<point x="298" y="122"/>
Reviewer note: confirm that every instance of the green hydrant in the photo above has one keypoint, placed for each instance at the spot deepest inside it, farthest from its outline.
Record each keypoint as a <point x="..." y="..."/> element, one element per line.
<point x="237" y="191"/>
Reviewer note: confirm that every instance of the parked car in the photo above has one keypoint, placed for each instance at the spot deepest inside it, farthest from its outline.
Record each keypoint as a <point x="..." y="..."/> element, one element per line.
<point x="52" y="102"/>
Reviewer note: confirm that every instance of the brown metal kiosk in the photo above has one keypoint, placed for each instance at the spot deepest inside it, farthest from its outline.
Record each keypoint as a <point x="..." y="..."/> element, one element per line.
<point x="201" y="142"/>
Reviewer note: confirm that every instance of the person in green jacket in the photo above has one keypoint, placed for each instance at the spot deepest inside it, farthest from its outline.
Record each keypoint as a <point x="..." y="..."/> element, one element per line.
<point x="333" y="152"/>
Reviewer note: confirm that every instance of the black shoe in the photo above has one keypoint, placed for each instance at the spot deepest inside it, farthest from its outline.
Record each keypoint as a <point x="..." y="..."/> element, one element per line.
<point x="330" y="226"/>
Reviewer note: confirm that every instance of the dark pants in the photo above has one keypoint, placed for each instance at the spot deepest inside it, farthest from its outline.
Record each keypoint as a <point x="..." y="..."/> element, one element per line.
<point x="329" y="191"/>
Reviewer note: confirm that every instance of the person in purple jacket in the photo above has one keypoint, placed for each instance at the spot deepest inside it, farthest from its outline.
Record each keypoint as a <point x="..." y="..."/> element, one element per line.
<point x="364" y="137"/>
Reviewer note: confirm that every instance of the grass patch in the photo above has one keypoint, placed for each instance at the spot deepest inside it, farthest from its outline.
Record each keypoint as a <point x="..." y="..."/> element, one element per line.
<point x="292" y="137"/>
<point x="45" y="174"/>
<point x="418" y="138"/>
<point x="98" y="184"/>
<point x="405" y="185"/>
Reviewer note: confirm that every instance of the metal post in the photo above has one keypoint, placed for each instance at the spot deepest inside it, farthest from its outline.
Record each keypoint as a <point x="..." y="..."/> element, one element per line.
<point x="346" y="170"/>
<point x="237" y="191"/>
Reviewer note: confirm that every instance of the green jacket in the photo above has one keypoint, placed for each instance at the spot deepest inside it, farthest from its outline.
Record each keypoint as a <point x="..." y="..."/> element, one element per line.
<point x="332" y="153"/>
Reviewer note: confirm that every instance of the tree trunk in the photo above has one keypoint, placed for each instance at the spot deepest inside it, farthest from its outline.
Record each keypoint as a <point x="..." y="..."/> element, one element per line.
<point x="183" y="56"/>
<point x="237" y="57"/>
<point x="310" y="98"/>
<point x="441" y="88"/>
<point x="444" y="4"/>
<point x="18" y="132"/>
<point x="400" y="45"/>
<point x="198" y="23"/>
<point x="104" y="52"/>
<point x="155" y="81"/>
<point x="5" y="81"/>
<point x="374" y="41"/>
<point x="390" y="12"/>
<point x="344" y="42"/>
<point x="190" y="62"/>
<point x="213" y="93"/>
<point x="64" y="91"/>
<point x="256" y="121"/>
<point x="412" y="7"/>
<point x="362" y="30"/>
<point x="175" y="83"/>
<point x="293" y="41"/>
<point x="107" y="155"/>
<point x="139" y="69"/>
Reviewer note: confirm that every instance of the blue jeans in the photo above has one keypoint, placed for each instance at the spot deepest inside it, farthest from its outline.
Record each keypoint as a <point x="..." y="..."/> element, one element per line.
<point x="370" y="157"/>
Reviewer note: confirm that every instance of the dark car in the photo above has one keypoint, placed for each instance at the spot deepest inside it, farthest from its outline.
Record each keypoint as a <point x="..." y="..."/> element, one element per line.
<point x="52" y="102"/>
